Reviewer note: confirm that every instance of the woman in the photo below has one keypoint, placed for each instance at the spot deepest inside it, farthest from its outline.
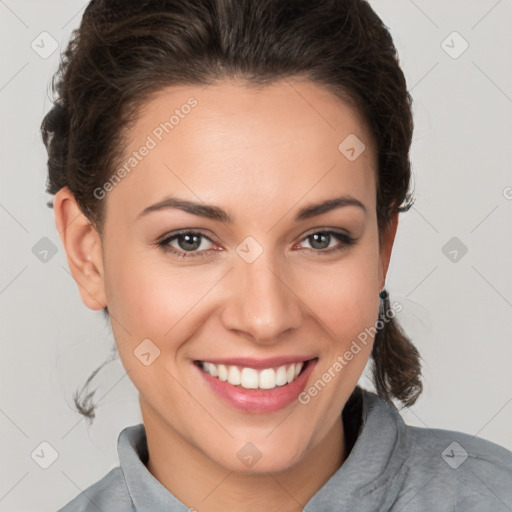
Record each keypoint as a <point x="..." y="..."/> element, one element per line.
<point x="228" y="177"/>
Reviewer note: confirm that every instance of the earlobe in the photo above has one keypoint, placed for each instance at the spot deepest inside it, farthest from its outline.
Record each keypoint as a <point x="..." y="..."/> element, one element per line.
<point x="82" y="244"/>
<point x="388" y="239"/>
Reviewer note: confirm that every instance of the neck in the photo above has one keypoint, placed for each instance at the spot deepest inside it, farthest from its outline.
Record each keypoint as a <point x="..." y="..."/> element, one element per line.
<point x="201" y="484"/>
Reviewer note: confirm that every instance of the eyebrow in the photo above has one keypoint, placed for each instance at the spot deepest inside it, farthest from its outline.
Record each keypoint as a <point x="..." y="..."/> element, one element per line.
<point x="216" y="213"/>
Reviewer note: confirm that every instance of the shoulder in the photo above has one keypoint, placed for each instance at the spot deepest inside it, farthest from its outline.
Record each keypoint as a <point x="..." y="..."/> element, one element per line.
<point x="457" y="447"/>
<point x="109" y="494"/>
<point x="425" y="469"/>
<point x="474" y="472"/>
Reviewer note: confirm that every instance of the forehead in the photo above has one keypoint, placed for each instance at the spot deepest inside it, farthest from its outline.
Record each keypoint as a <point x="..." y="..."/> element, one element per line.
<point x="269" y="145"/>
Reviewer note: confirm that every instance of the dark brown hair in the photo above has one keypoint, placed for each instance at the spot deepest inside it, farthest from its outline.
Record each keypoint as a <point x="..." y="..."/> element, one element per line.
<point x="126" y="50"/>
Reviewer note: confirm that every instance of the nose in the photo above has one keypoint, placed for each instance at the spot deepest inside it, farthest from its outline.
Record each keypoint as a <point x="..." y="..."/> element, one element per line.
<point x="263" y="303"/>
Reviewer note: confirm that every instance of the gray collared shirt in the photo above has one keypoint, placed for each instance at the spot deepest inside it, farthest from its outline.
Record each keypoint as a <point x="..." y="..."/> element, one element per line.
<point x="391" y="467"/>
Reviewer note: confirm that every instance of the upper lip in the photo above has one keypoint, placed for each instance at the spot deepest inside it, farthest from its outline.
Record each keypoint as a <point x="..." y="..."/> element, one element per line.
<point x="249" y="362"/>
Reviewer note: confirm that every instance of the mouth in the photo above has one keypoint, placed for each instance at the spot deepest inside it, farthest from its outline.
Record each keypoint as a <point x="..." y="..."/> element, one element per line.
<point x="257" y="386"/>
<point x="252" y="378"/>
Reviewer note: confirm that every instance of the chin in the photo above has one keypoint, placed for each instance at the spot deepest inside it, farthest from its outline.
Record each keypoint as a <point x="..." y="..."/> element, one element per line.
<point x="251" y="460"/>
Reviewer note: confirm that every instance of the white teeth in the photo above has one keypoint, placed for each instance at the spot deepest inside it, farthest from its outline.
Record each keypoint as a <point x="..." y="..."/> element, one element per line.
<point x="267" y="379"/>
<point x="223" y="372"/>
<point x="250" y="378"/>
<point x="212" y="369"/>
<point x="281" y="379"/>
<point x="290" y="373"/>
<point x="234" y="376"/>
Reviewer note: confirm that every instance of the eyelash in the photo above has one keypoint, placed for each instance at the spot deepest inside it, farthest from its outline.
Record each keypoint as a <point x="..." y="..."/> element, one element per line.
<point x="346" y="241"/>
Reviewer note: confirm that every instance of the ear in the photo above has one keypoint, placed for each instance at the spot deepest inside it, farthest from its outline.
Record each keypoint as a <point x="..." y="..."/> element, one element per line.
<point x="82" y="244"/>
<point x="388" y="238"/>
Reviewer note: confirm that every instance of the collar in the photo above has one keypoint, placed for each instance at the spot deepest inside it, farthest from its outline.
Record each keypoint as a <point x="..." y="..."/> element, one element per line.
<point x="368" y="480"/>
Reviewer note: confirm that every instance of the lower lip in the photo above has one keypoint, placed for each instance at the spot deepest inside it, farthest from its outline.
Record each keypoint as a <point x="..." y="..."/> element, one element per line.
<point x="259" y="400"/>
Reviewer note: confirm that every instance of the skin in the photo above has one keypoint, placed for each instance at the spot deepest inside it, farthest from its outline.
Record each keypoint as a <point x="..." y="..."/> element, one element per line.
<point x="260" y="155"/>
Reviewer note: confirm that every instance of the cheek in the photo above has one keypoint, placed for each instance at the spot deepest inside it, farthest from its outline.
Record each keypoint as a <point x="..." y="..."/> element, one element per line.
<point x="150" y="298"/>
<point x="344" y="296"/>
<point x="160" y="303"/>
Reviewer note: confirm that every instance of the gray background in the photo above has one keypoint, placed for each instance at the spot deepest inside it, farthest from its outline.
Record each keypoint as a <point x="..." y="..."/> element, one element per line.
<point x="458" y="313"/>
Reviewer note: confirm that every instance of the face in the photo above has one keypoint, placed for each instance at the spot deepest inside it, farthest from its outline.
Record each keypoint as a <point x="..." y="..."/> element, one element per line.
<point x="244" y="274"/>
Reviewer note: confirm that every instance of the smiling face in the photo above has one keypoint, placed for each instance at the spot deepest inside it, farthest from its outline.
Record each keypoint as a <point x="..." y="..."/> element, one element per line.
<point x="258" y="278"/>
